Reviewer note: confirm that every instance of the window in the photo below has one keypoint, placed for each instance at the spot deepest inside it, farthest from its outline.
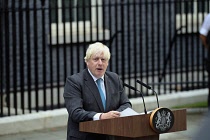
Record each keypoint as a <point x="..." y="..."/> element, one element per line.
<point x="78" y="17"/>
<point x="189" y="15"/>
<point x="70" y="10"/>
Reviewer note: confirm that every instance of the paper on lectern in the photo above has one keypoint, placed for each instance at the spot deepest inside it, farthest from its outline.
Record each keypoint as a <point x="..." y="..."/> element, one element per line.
<point x="128" y="112"/>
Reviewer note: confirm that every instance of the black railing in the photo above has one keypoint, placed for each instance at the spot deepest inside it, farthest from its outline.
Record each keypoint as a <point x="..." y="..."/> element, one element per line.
<point x="44" y="41"/>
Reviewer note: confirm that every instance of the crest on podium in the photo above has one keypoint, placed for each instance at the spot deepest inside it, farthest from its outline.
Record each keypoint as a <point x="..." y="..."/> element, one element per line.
<point x="162" y="120"/>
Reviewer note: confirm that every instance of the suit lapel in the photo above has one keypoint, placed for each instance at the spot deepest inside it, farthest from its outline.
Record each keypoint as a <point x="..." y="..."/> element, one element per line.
<point x="108" y="91"/>
<point x="89" y="82"/>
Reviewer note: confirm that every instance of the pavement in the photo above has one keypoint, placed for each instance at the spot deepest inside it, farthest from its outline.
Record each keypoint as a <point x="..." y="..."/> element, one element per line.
<point x="195" y="120"/>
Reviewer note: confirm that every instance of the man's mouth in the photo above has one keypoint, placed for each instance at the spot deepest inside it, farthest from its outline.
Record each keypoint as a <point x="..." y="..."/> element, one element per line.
<point x="99" y="69"/>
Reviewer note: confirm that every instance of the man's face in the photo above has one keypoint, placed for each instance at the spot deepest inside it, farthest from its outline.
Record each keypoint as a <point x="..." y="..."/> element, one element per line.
<point x="97" y="65"/>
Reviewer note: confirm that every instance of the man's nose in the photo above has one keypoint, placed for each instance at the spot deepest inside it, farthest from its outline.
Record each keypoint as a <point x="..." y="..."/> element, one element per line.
<point x="99" y="61"/>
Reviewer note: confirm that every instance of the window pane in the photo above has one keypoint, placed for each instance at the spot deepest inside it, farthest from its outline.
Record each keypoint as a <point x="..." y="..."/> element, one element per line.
<point x="76" y="10"/>
<point x="70" y="10"/>
<point x="191" y="6"/>
<point x="184" y="7"/>
<point x="203" y="6"/>
<point x="53" y="4"/>
<point x="83" y="10"/>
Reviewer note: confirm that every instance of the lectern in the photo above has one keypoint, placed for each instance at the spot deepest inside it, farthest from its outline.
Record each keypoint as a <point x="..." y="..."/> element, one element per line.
<point x="133" y="127"/>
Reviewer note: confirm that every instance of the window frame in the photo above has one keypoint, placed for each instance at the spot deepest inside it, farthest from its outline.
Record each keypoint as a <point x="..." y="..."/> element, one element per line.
<point x="193" y="22"/>
<point x="85" y="28"/>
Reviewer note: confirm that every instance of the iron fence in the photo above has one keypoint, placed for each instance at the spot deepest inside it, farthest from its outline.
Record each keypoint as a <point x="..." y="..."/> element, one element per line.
<point x="44" y="41"/>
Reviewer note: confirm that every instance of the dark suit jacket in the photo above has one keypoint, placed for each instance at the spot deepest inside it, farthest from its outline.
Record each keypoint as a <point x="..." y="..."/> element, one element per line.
<point x="83" y="101"/>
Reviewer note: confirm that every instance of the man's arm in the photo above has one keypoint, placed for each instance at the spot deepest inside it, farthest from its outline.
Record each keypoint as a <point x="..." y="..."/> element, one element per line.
<point x="205" y="28"/>
<point x="203" y="39"/>
<point x="74" y="102"/>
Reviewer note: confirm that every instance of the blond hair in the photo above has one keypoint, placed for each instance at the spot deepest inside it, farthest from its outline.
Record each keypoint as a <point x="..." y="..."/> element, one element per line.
<point x="97" y="48"/>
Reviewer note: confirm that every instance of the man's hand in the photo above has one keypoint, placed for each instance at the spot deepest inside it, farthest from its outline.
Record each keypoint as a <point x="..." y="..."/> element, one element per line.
<point x="109" y="115"/>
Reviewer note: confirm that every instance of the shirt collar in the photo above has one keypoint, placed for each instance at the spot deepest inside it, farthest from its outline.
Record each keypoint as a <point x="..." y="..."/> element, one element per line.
<point x="94" y="78"/>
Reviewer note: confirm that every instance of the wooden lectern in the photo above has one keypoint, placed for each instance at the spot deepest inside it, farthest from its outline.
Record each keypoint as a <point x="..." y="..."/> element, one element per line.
<point x="132" y="127"/>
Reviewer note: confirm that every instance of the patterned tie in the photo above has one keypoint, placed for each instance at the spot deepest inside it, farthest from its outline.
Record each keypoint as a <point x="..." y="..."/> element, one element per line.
<point x="98" y="81"/>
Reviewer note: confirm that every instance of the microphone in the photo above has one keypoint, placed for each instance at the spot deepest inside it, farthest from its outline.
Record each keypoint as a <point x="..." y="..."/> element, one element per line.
<point x="149" y="87"/>
<point x="133" y="88"/>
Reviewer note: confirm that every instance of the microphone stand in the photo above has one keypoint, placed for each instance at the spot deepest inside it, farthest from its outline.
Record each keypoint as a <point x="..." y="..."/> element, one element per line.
<point x="145" y="110"/>
<point x="156" y="97"/>
<point x="150" y="88"/>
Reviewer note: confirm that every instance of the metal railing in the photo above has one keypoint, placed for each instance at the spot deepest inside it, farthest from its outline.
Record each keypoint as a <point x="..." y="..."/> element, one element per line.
<point x="44" y="41"/>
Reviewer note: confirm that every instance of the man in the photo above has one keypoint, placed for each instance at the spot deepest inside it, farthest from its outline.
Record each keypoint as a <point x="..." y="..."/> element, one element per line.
<point x="205" y="37"/>
<point x="205" y="28"/>
<point x="87" y="99"/>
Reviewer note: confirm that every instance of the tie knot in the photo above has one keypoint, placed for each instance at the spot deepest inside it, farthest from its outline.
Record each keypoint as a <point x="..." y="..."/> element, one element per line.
<point x="98" y="81"/>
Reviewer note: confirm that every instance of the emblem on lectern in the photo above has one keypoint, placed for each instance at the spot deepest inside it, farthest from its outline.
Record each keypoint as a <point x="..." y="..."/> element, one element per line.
<point x="162" y="120"/>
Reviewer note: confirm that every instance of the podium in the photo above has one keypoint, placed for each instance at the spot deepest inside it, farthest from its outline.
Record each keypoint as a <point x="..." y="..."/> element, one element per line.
<point x="132" y="127"/>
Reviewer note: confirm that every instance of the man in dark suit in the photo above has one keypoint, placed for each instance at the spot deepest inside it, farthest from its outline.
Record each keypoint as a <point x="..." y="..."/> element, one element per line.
<point x="93" y="94"/>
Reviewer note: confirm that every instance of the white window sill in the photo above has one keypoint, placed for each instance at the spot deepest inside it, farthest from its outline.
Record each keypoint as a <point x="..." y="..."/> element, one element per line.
<point x="79" y="37"/>
<point x="193" y="24"/>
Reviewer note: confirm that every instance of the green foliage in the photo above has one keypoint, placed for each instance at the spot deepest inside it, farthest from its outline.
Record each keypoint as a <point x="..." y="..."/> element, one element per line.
<point x="194" y="105"/>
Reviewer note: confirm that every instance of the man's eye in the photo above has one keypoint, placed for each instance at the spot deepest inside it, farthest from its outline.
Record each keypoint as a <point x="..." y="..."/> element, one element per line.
<point x="102" y="59"/>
